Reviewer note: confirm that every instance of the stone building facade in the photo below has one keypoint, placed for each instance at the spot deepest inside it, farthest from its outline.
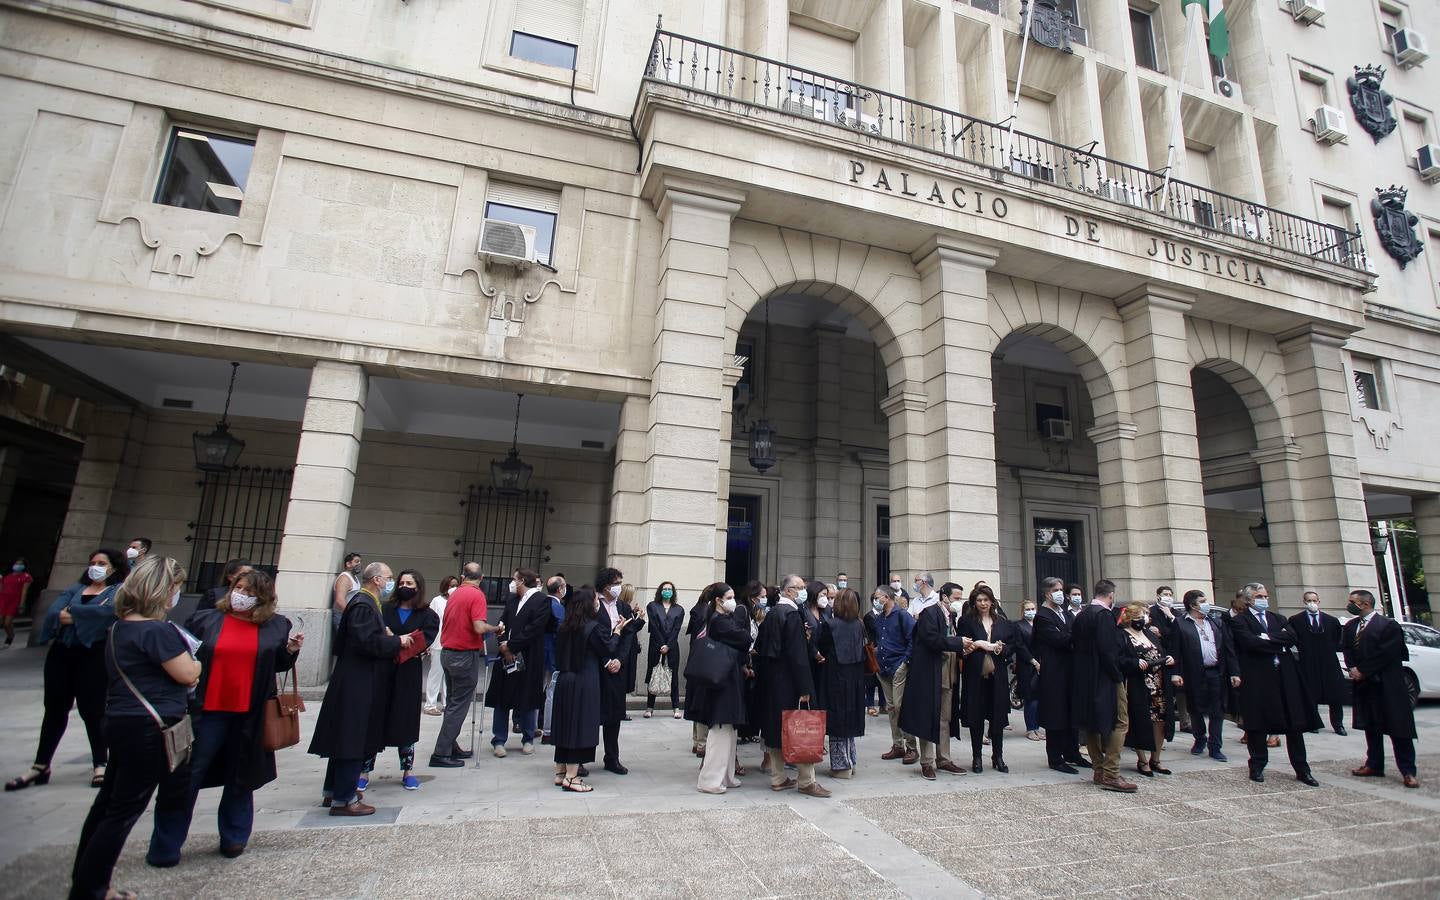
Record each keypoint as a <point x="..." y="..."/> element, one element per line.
<point x="992" y="345"/>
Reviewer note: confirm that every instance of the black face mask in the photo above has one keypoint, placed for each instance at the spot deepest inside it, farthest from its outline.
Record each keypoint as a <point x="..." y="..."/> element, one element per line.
<point x="405" y="593"/>
<point x="1352" y="609"/>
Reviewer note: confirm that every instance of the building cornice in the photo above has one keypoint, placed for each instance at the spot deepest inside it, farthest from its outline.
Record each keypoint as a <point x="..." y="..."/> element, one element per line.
<point x="1391" y="316"/>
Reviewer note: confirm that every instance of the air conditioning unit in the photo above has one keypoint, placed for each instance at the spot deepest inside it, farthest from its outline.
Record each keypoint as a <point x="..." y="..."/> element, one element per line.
<point x="1307" y="11"/>
<point x="1228" y="89"/>
<point x="1427" y="160"/>
<point x="862" y="122"/>
<point x="1241" y="228"/>
<point x="1410" y="47"/>
<point x="1121" y="192"/>
<point x="1057" y="430"/>
<point x="507" y="244"/>
<point x="1329" y="124"/>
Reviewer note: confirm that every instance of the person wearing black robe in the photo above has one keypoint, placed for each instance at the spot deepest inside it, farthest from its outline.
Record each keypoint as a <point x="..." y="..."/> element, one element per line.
<point x="984" y="678"/>
<point x="1208" y="668"/>
<point x="781" y="652"/>
<point x="1026" y="669"/>
<point x="612" y="612"/>
<point x="1164" y="619"/>
<point x="666" y="617"/>
<point x="1051" y="645"/>
<point x="408" y="612"/>
<point x="520" y="694"/>
<point x="813" y="616"/>
<point x="1317" y="634"/>
<point x="583" y="645"/>
<point x="1273" y="699"/>
<point x="1099" y="699"/>
<point x="842" y="643"/>
<point x="926" y="684"/>
<point x="351" y="723"/>
<point x="1374" y="651"/>
<point x="721" y="707"/>
<point x="699" y="615"/>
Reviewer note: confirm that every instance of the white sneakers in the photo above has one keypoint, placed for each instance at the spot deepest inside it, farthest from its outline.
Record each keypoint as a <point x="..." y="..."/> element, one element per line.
<point x="499" y="751"/>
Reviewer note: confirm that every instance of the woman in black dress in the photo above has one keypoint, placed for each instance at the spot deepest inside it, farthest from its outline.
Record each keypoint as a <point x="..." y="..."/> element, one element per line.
<point x="666" y="617"/>
<point x="721" y="706"/>
<point x="1027" y="669"/>
<point x="699" y="615"/>
<point x="842" y="643"/>
<point x="984" y="681"/>
<point x="407" y="612"/>
<point x="582" y="646"/>
<point x="1145" y="689"/>
<point x="755" y="601"/>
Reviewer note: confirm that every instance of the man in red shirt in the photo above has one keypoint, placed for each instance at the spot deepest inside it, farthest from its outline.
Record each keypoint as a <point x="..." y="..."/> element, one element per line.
<point x="462" y="656"/>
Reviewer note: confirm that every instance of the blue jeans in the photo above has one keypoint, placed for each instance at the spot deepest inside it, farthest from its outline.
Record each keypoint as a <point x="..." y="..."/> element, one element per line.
<point x="1032" y="715"/>
<point x="236" y="817"/>
<point x="500" y="726"/>
<point x="341" y="778"/>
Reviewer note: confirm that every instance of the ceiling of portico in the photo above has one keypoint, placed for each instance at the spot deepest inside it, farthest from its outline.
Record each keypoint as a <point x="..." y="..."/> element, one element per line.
<point x="268" y="391"/>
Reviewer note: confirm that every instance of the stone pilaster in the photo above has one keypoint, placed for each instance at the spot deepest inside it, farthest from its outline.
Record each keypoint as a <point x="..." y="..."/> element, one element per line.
<point x="961" y="534"/>
<point x="1332" y="535"/>
<point x="825" y="551"/>
<point x="1166" y="534"/>
<point x="904" y="408"/>
<point x="1427" y="529"/>
<point x="317" y="520"/>
<point x="1279" y="465"/>
<point x="115" y="432"/>
<point x="1114" y="440"/>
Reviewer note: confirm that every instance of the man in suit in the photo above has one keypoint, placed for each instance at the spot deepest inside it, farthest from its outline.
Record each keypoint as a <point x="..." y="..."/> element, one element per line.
<point x="1056" y="655"/>
<point x="1317" y="634"/>
<point x="612" y="683"/>
<point x="1099" y="700"/>
<point x="785" y="682"/>
<point x="520" y="692"/>
<point x="1374" y="650"/>
<point x="1273" y="699"/>
<point x="929" y="687"/>
<point x="1207" y="666"/>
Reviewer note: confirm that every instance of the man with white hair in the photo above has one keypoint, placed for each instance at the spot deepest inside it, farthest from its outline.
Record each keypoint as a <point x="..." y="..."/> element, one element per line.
<point x="925" y="594"/>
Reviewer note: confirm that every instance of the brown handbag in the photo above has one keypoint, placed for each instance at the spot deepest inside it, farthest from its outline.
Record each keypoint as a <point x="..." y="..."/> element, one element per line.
<point x="282" y="716"/>
<point x="872" y="662"/>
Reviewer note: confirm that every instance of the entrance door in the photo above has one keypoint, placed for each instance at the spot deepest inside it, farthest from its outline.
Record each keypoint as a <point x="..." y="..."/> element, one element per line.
<point x="882" y="544"/>
<point x="742" y="541"/>
<point x="1057" y="545"/>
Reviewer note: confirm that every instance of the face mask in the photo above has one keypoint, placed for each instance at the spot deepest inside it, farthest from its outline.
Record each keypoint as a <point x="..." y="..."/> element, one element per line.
<point x="132" y="553"/>
<point x="728" y="604"/>
<point x="667" y="594"/>
<point x="1313" y="607"/>
<point x="1029" y="613"/>
<point x="823" y="602"/>
<point x="1262" y="603"/>
<point x="614" y="591"/>
<point x="18" y="567"/>
<point x="1205" y="607"/>
<point x="1137" y="624"/>
<point x="406" y="593"/>
<point x="389" y="587"/>
<point x="175" y="598"/>
<point x="355" y="570"/>
<point x="1076" y="600"/>
<point x="842" y="584"/>
<point x="514" y="588"/>
<point x="449" y="591"/>
<point x="802" y="596"/>
<point x="894" y="585"/>
<point x="956" y="607"/>
<point x="241" y="602"/>
<point x="1145" y="620"/>
<point x="1353" y="609"/>
<point x="96" y="573"/>
<point x="762" y="602"/>
<point x="1167" y="602"/>
<point x="877" y="605"/>
<point x="1058" y="598"/>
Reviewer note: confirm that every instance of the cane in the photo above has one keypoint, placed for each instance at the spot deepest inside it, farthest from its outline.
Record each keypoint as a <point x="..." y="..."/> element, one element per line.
<point x="480" y="693"/>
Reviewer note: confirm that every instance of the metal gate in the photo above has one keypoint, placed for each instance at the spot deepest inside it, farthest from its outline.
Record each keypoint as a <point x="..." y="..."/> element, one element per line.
<point x="242" y="516"/>
<point x="503" y="532"/>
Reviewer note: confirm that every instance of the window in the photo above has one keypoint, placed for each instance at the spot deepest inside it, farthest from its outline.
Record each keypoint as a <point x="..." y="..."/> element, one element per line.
<point x="1142" y="34"/>
<point x="524" y="205"/>
<point x="1070" y="8"/>
<point x="1392" y="19"/>
<point x="1340" y="216"/>
<point x="542" y="50"/>
<point x="1314" y="92"/>
<point x="1421" y="637"/>
<point x="1049" y="404"/>
<point x="204" y="170"/>
<point x="1414" y="133"/>
<point x="1367" y="386"/>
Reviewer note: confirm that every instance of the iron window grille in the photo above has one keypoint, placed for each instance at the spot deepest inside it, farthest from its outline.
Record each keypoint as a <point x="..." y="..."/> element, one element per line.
<point x="503" y="533"/>
<point x="241" y="516"/>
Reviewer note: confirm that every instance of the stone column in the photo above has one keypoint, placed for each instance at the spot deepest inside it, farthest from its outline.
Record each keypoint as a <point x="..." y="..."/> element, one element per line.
<point x="962" y="528"/>
<point x="1166" y="539"/>
<point x="904" y="409"/>
<point x="1278" y="460"/>
<point x="317" y="520"/>
<point x="1427" y="529"/>
<point x="663" y="520"/>
<point x="113" y="431"/>
<point x="1332" y="535"/>
<point x="825" y="553"/>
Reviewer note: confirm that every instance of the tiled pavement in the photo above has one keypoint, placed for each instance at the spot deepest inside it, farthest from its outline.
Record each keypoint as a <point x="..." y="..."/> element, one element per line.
<point x="498" y="827"/>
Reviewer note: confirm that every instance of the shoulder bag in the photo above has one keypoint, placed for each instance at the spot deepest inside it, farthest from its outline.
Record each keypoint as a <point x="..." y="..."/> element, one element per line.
<point x="282" y="716"/>
<point x="660" y="679"/>
<point x="177" y="737"/>
<point x="872" y="662"/>
<point x="711" y="662"/>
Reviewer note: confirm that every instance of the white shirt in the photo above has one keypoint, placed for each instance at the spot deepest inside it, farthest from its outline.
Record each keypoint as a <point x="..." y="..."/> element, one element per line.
<point x="923" y="602"/>
<point x="438" y="604"/>
<point x="611" y="607"/>
<point x="1209" y="653"/>
<point x="530" y="593"/>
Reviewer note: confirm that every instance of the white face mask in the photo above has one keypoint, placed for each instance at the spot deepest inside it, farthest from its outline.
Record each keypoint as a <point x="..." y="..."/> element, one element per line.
<point x="175" y="598"/>
<point x="1076" y="601"/>
<point x="802" y="596"/>
<point x="957" y="607"/>
<point x="96" y="573"/>
<point x="1057" y="597"/>
<point x="728" y="604"/>
<point x="241" y="602"/>
<point x="1313" y="607"/>
<point x="513" y="587"/>
<point x="842" y="584"/>
<point x="823" y="602"/>
<point x="894" y="585"/>
<point x="1166" y="601"/>
<point x="132" y="553"/>
<point x="449" y="591"/>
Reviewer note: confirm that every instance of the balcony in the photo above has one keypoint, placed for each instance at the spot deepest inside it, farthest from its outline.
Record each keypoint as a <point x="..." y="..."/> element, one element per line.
<point x="984" y="148"/>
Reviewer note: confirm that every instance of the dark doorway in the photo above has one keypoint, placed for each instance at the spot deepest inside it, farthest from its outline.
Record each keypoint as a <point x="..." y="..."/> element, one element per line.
<point x="1057" y="545"/>
<point x="742" y="545"/>
<point x="882" y="544"/>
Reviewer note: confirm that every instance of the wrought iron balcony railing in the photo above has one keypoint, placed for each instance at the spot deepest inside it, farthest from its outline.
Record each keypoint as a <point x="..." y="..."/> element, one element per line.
<point x="723" y="73"/>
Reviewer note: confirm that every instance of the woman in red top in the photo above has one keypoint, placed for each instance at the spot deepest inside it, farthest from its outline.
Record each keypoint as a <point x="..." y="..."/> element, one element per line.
<point x="243" y="644"/>
<point x="12" y="596"/>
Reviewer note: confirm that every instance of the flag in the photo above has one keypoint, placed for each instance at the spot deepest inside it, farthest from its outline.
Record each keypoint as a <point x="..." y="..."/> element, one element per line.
<point x="1214" y="13"/>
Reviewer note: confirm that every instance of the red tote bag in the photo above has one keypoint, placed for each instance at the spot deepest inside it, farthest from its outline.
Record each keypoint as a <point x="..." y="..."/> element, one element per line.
<point x="802" y="736"/>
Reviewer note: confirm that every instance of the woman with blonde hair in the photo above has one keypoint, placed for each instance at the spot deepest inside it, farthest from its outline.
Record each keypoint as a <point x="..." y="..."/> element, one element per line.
<point x="151" y="669"/>
<point x="243" y="644"/>
<point x="1145" y="688"/>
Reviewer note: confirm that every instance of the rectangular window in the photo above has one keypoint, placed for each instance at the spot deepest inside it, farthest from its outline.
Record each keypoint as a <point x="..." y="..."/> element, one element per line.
<point x="1072" y="9"/>
<point x="1314" y="91"/>
<point x="524" y="205"/>
<point x="1367" y="386"/>
<point x="1142" y="34"/>
<point x="822" y="53"/>
<point x="1340" y="216"/>
<point x="1049" y="404"/>
<point x="542" y="50"/>
<point x="204" y="170"/>
<point x="547" y="31"/>
<point x="1392" y="19"/>
<point x="1414" y="133"/>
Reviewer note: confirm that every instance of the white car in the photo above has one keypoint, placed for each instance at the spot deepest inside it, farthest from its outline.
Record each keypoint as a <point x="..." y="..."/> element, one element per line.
<point x="1422" y="669"/>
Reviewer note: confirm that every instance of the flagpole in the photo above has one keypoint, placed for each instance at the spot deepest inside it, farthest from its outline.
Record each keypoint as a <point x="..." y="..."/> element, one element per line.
<point x="1019" y="77"/>
<point x="1191" y="17"/>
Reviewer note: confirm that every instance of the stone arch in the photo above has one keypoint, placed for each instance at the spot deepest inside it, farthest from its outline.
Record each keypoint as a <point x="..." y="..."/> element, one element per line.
<point x="1085" y="327"/>
<point x="876" y="286"/>
<point x="1252" y="364"/>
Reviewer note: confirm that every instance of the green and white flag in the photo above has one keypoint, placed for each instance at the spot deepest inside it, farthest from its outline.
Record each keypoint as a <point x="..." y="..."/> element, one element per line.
<point x="1214" y="13"/>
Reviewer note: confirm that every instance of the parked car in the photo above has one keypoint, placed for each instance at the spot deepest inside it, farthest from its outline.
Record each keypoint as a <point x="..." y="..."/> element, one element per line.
<point x="1422" y="670"/>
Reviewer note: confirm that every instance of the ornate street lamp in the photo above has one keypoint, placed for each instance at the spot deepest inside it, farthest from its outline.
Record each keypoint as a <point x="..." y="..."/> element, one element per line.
<point x="1379" y="539"/>
<point x="1260" y="534"/>
<point x="762" y="433"/>
<point x="219" y="450"/>
<point x="513" y="475"/>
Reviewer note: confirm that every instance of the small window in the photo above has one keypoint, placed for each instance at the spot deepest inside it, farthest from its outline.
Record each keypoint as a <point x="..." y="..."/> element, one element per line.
<point x="1337" y="245"/>
<point x="1392" y="19"/>
<point x="524" y="205"/>
<point x="1367" y="386"/>
<point x="542" y="50"/>
<point x="206" y="171"/>
<point x="1142" y="34"/>
<point x="1049" y="404"/>
<point x="1414" y="133"/>
<point x="1071" y="8"/>
<point x="1314" y="90"/>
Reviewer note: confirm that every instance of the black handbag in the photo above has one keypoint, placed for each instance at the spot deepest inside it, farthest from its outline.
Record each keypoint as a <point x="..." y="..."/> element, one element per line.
<point x="711" y="662"/>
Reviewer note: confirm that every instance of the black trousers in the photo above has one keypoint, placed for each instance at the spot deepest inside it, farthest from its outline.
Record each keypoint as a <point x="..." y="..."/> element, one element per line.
<point x="1337" y="716"/>
<point x="1211" y="713"/>
<point x="977" y="740"/>
<point x="137" y="767"/>
<point x="1375" y="751"/>
<point x="611" y="732"/>
<point x="1260" y="754"/>
<point x="74" y="676"/>
<point x="1061" y="745"/>
<point x="671" y="659"/>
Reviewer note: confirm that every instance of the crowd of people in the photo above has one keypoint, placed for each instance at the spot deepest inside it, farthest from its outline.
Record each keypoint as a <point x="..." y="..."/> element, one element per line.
<point x="172" y="710"/>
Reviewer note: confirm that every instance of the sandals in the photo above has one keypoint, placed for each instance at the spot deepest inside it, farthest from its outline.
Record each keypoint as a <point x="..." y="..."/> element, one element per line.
<point x="871" y="711"/>
<point x="649" y="713"/>
<point x="559" y="779"/>
<point x="97" y="778"/>
<point x="36" y="775"/>
<point x="740" y="772"/>
<point x="575" y="785"/>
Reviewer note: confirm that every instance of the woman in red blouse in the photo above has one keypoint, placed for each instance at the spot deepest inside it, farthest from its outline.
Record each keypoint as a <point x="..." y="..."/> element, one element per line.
<point x="243" y="644"/>
<point x="12" y="596"/>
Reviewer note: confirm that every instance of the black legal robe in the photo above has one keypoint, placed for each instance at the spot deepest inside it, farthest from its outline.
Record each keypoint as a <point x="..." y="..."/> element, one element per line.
<point x="525" y="630"/>
<point x="983" y="699"/>
<point x="1273" y="699"/>
<point x="351" y="724"/>
<point x="723" y="704"/>
<point x="407" y="692"/>
<point x="1051" y="645"/>
<point x="1097" y="670"/>
<point x="920" y="707"/>
<point x="1319" y="660"/>
<point x="1382" y="701"/>
<point x="783" y="668"/>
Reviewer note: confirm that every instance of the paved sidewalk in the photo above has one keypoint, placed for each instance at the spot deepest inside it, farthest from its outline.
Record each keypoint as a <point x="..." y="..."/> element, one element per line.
<point x="500" y="827"/>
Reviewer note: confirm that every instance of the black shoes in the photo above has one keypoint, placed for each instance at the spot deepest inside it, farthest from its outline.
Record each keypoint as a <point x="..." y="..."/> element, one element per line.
<point x="1307" y="778"/>
<point x="1065" y="767"/>
<point x="446" y="762"/>
<point x="457" y="753"/>
<point x="1340" y="730"/>
<point x="998" y="764"/>
<point x="976" y="767"/>
<point x="1257" y="776"/>
<point x="616" y="768"/>
<point x="1079" y="762"/>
